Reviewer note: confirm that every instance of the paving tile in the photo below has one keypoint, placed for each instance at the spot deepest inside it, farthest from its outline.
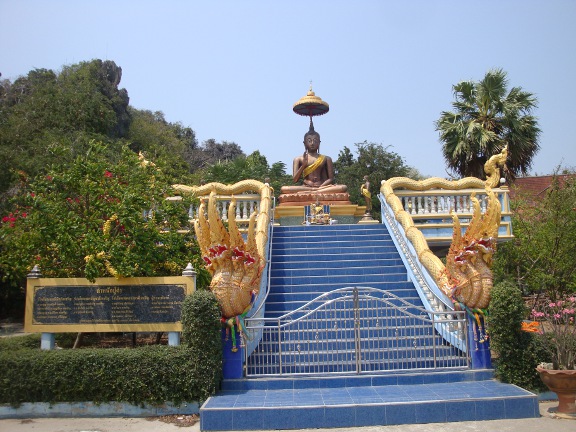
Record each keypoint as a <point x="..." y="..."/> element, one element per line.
<point x="400" y="414"/>
<point x="342" y="416"/>
<point x="461" y="411"/>
<point x="370" y="415"/>
<point x="516" y="408"/>
<point x="216" y="420"/>
<point x="247" y="419"/>
<point x="430" y="412"/>
<point x="490" y="409"/>
<point x="278" y="418"/>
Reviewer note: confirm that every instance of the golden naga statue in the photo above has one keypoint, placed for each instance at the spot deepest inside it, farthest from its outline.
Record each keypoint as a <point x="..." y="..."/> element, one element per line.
<point x="467" y="275"/>
<point x="236" y="265"/>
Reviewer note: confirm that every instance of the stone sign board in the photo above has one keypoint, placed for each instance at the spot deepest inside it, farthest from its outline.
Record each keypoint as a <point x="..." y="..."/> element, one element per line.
<point x="59" y="305"/>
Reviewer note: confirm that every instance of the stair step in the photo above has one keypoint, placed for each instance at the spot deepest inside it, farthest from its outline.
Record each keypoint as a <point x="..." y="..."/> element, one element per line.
<point x="332" y="250"/>
<point x="352" y="257"/>
<point x="359" y="243"/>
<point x="340" y="280"/>
<point x="382" y="263"/>
<point x="406" y="378"/>
<point x="337" y="271"/>
<point x="393" y="286"/>
<point x="354" y="401"/>
<point x="328" y="229"/>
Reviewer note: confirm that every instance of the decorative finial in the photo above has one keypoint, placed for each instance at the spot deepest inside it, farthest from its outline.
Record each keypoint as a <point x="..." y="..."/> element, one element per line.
<point x="189" y="270"/>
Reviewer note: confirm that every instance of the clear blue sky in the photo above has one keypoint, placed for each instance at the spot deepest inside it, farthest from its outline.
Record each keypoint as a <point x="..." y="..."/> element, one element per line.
<point x="232" y="70"/>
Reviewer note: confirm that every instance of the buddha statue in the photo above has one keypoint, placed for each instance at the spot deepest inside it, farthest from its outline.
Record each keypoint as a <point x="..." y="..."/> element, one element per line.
<point x="316" y="171"/>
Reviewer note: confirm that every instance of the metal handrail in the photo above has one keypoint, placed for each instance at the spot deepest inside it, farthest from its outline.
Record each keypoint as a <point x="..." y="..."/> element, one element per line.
<point x="287" y="337"/>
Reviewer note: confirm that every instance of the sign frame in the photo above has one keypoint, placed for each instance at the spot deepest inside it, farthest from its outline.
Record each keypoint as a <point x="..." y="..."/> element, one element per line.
<point x="112" y="291"/>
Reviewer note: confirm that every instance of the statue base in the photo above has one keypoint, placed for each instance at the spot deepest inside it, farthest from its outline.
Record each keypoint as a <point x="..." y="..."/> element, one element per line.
<point x="367" y="219"/>
<point x="289" y="215"/>
<point x="306" y="198"/>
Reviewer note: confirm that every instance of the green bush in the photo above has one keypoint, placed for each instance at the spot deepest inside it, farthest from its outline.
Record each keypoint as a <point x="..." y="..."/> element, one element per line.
<point x="15" y="343"/>
<point x="144" y="375"/>
<point x="201" y="331"/>
<point x="518" y="352"/>
<point x="152" y="375"/>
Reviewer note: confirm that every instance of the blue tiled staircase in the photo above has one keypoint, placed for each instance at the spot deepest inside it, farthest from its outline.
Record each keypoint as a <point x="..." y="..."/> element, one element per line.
<point x="311" y="261"/>
<point x="308" y="261"/>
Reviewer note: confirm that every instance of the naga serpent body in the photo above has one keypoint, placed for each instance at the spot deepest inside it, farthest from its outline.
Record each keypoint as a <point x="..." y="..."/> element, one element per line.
<point x="466" y="277"/>
<point x="235" y="264"/>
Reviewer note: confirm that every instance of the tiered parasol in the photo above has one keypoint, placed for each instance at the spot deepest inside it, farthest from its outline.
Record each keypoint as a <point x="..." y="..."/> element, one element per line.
<point x="311" y="105"/>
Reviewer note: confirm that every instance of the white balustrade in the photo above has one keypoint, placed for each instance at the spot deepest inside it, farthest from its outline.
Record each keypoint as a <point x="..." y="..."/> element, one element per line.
<point x="246" y="204"/>
<point x="438" y="204"/>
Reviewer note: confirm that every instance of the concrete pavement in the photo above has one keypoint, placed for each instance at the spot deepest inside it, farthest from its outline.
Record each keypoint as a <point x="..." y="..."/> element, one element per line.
<point x="545" y="423"/>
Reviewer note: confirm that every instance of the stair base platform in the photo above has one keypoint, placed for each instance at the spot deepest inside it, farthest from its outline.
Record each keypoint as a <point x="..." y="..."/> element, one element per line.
<point x="299" y="403"/>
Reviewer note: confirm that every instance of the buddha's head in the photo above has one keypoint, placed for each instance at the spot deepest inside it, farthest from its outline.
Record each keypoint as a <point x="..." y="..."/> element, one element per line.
<point x="312" y="139"/>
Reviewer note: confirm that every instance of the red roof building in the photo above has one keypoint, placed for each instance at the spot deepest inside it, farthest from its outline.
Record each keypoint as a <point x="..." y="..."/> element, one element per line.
<point x="537" y="186"/>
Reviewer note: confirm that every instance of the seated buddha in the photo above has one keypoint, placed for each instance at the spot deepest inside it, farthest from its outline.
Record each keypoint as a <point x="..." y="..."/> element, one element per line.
<point x="316" y="172"/>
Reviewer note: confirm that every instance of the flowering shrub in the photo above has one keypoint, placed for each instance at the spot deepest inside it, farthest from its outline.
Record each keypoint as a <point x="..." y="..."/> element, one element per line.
<point x="558" y="328"/>
<point x="99" y="216"/>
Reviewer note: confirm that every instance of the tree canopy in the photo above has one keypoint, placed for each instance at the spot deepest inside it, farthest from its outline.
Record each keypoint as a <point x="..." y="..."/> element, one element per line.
<point x="93" y="218"/>
<point x="376" y="162"/>
<point x="540" y="258"/>
<point x="486" y="118"/>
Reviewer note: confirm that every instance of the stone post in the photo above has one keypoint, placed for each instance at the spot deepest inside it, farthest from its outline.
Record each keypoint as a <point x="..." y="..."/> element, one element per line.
<point x="47" y="340"/>
<point x="174" y="337"/>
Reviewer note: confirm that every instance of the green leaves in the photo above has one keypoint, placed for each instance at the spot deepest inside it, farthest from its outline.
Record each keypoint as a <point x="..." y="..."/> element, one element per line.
<point x="485" y="119"/>
<point x="518" y="353"/>
<point x="145" y="375"/>
<point x="373" y="160"/>
<point x="541" y="257"/>
<point x="97" y="217"/>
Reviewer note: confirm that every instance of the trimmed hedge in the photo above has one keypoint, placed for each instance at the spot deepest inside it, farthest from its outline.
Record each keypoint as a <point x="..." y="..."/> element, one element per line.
<point x="145" y="375"/>
<point x="518" y="352"/>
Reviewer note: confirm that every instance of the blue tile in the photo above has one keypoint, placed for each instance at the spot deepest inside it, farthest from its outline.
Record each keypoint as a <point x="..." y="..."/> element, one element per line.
<point x="522" y="408"/>
<point x="222" y="401"/>
<point x="342" y="416"/>
<point x="385" y="380"/>
<point x="490" y="409"/>
<point x="436" y="378"/>
<point x="430" y="412"/>
<point x="410" y="379"/>
<point x="460" y="411"/>
<point x="400" y="414"/>
<point x="392" y="394"/>
<point x="247" y="419"/>
<point x="216" y="420"/>
<point x="311" y="418"/>
<point x="308" y="383"/>
<point x="481" y="375"/>
<point x="250" y="402"/>
<point x="370" y="415"/>
<point x="361" y="391"/>
<point x="278" y="418"/>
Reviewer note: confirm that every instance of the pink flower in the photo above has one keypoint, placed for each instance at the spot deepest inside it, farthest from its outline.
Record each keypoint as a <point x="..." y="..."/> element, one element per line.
<point x="108" y="174"/>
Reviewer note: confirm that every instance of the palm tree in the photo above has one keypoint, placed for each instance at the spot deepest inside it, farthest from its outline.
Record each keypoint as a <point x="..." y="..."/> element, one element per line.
<point x="486" y="119"/>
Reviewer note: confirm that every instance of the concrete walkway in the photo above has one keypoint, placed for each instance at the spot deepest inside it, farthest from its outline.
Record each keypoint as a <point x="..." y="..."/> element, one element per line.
<point x="546" y="422"/>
